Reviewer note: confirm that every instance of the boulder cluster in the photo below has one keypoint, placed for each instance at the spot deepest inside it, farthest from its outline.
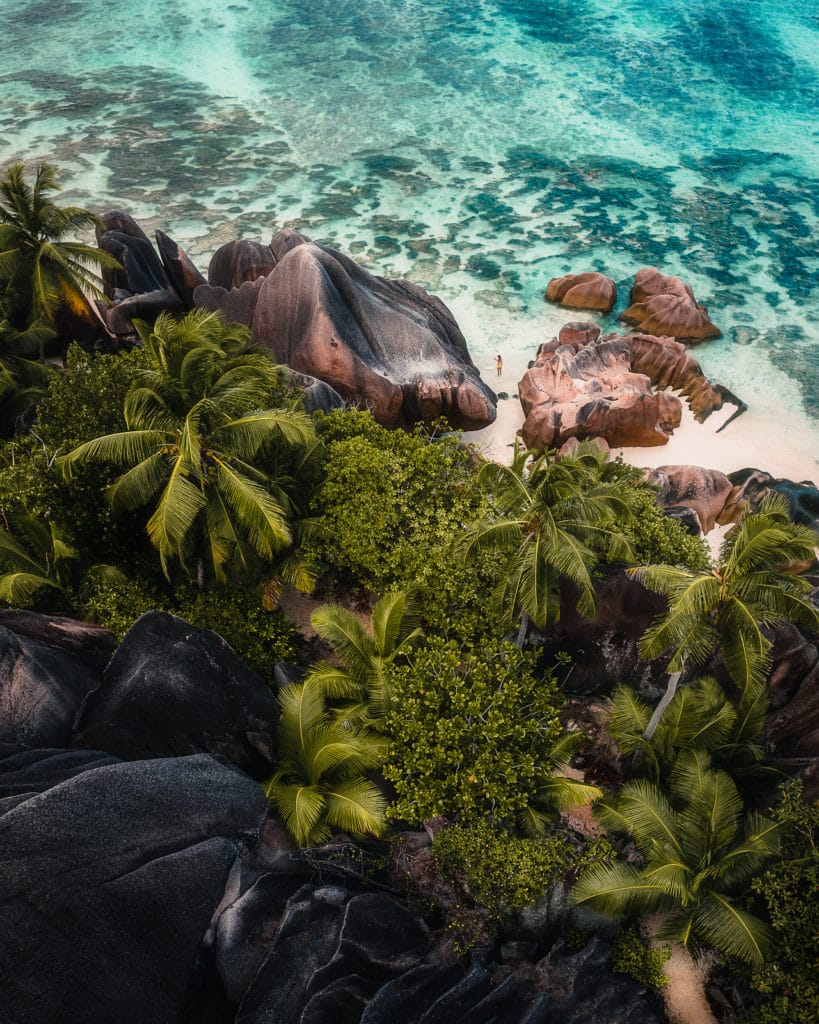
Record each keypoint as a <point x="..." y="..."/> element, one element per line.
<point x="658" y="304"/>
<point x="584" y="384"/>
<point x="385" y="345"/>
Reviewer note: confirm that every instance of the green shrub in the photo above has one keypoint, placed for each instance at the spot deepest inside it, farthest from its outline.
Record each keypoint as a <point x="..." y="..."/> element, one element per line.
<point x="658" y="539"/>
<point x="387" y="511"/>
<point x="789" y="891"/>
<point x="473" y="733"/>
<point x="630" y="955"/>
<point x="492" y="869"/>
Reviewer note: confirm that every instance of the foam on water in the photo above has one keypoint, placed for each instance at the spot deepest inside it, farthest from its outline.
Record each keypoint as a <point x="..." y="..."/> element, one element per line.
<point x="477" y="149"/>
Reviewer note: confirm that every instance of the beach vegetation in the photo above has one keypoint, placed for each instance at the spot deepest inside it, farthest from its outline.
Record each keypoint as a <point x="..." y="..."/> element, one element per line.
<point x="41" y="271"/>
<point x="476" y="734"/>
<point x="699" y="852"/>
<point x="320" y="784"/>
<point x="197" y="424"/>
<point x="553" y="520"/>
<point x="359" y="685"/>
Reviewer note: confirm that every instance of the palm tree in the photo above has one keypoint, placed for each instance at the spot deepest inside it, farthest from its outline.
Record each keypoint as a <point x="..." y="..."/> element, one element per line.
<point x="199" y="429"/>
<point x="700" y="717"/>
<point x="37" y="556"/>
<point x="362" y="679"/>
<point x="699" y="852"/>
<point x="319" y="785"/>
<point x="23" y="382"/>
<point x="727" y="607"/>
<point x="40" y="272"/>
<point x="557" y="517"/>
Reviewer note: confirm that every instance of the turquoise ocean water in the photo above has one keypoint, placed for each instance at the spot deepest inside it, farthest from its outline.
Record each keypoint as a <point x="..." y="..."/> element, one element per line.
<point x="477" y="148"/>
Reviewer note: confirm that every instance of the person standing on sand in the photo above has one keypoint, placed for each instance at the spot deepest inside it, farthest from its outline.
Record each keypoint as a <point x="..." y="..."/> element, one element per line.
<point x="499" y="365"/>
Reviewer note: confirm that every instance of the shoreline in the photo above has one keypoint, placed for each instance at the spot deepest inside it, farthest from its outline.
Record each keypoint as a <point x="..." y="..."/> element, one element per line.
<point x="750" y="442"/>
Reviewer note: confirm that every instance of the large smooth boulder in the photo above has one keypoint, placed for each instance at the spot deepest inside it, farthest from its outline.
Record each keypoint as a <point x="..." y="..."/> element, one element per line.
<point x="592" y="291"/>
<point x="181" y="270"/>
<point x="112" y="877"/>
<point x="591" y="392"/>
<point x="238" y="261"/>
<point x="173" y="689"/>
<point x="703" y="490"/>
<point x="384" y="345"/>
<point x="41" y="690"/>
<point x="750" y="486"/>
<point x="666" y="306"/>
<point x="792" y="725"/>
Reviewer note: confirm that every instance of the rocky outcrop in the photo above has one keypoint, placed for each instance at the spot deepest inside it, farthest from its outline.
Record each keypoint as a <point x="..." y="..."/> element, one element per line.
<point x="792" y="725"/>
<point x="667" y="365"/>
<point x="703" y="490"/>
<point x="666" y="306"/>
<point x="241" y="260"/>
<point x="317" y="395"/>
<point x="749" y="487"/>
<point x="593" y="393"/>
<point x="174" y="689"/>
<point x="592" y="291"/>
<point x="112" y="875"/>
<point x="384" y="345"/>
<point x="41" y="688"/>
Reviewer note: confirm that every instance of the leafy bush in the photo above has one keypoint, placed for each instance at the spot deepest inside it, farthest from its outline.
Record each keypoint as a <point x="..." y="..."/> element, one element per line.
<point x="259" y="637"/>
<point x="491" y="868"/>
<point x="659" y="540"/>
<point x="387" y="512"/>
<point x="789" y="890"/>
<point x="475" y="733"/>
<point x="630" y="955"/>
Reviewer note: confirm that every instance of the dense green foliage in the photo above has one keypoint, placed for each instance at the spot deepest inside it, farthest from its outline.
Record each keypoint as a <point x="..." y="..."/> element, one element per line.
<point x="699" y="853"/>
<point x="630" y="955"/>
<point x="491" y="869"/>
<point x="39" y="270"/>
<point x="387" y="511"/>
<point x="197" y="425"/>
<point x="475" y="734"/>
<point x="551" y="519"/>
<point x="789" y="891"/>
<point x="752" y="586"/>
<point x="701" y="717"/>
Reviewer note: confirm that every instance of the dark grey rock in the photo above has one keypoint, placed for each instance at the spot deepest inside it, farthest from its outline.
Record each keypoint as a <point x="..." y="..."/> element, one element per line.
<point x="111" y="879"/>
<point x="41" y="691"/>
<point x="174" y="689"/>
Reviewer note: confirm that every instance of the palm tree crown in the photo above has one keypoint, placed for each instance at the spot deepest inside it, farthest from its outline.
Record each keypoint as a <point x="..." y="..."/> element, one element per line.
<point x="39" y="270"/>
<point x="699" y="852"/>
<point x="558" y="516"/>
<point x="752" y="587"/>
<point x="362" y="679"/>
<point x="319" y="784"/>
<point x="199" y="424"/>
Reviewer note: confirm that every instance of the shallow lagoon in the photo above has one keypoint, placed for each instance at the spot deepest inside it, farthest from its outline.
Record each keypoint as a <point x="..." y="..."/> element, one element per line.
<point x="478" y="149"/>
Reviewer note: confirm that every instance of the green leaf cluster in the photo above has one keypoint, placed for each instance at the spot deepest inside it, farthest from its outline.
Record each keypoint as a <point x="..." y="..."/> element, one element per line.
<point x="630" y="955"/>
<point x="701" y="717"/>
<point x="319" y="785"/>
<point x="491" y="869"/>
<point x="475" y="734"/>
<point x="387" y="512"/>
<point x="699" y="852"/>
<point x="789" y="891"/>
